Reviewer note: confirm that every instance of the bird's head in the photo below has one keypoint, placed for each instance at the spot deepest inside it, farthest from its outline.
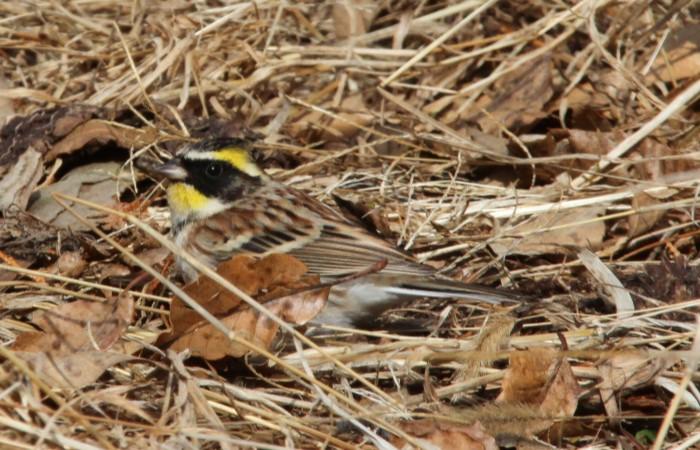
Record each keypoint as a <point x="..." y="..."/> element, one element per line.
<point x="208" y="176"/>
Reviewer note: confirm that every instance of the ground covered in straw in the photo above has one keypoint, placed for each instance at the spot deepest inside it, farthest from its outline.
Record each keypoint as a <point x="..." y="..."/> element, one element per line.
<point x="550" y="148"/>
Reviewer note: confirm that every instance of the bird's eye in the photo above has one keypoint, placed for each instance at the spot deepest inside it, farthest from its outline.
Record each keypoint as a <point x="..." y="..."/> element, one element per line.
<point x="214" y="169"/>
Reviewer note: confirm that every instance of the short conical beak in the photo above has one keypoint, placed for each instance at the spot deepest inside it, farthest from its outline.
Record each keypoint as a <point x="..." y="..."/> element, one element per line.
<point x="171" y="170"/>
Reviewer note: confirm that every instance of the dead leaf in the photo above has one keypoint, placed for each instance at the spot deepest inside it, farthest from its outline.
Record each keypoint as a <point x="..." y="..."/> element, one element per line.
<point x="206" y="342"/>
<point x="674" y="280"/>
<point x="591" y="142"/>
<point x="154" y="257"/>
<point x="69" y="264"/>
<point x="71" y="371"/>
<point x="98" y="182"/>
<point x="520" y="99"/>
<point x="527" y="376"/>
<point x="351" y="115"/>
<point x="680" y="58"/>
<point x="352" y="17"/>
<point x="603" y="94"/>
<point x="643" y="221"/>
<point x="551" y="232"/>
<point x="39" y="130"/>
<point x="435" y="434"/>
<point x="650" y="155"/>
<point x="278" y="281"/>
<point x="23" y="143"/>
<point x="117" y="398"/>
<point x="247" y="273"/>
<point x="567" y="142"/>
<point x="538" y="377"/>
<point x="624" y="372"/>
<point x="618" y="295"/>
<point x="630" y="370"/>
<point x="7" y="105"/>
<point x="102" y="131"/>
<point x="113" y="270"/>
<point x="27" y="142"/>
<point x="27" y="239"/>
<point x="17" y="181"/>
<point x="78" y="326"/>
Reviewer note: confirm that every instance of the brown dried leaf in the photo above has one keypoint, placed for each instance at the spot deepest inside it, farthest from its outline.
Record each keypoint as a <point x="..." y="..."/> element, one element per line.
<point x="97" y="182"/>
<point x="102" y="132"/>
<point x="71" y="371"/>
<point x="618" y="295"/>
<point x="538" y="377"/>
<point x="352" y="114"/>
<point x="206" y="342"/>
<point x="154" y="257"/>
<point x="7" y="106"/>
<point x="561" y="397"/>
<point x="624" y="372"/>
<point x="630" y="370"/>
<point x="352" y="17"/>
<point x="27" y="142"/>
<point x="560" y="142"/>
<point x="69" y="264"/>
<point x="39" y="130"/>
<point x="446" y="436"/>
<point x="604" y="93"/>
<point x="279" y="280"/>
<point x="27" y="239"/>
<point x="641" y="222"/>
<point x="113" y="270"/>
<point x="655" y="162"/>
<point x="551" y="232"/>
<point x="651" y="156"/>
<point x="527" y="376"/>
<point x="681" y="56"/>
<point x="78" y="326"/>
<point x="247" y="273"/>
<point x="521" y="96"/>
<point x="592" y="142"/>
<point x="18" y="180"/>
<point x="24" y="142"/>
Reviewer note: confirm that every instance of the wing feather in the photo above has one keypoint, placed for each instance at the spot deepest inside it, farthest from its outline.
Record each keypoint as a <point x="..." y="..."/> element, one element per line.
<point x="327" y="243"/>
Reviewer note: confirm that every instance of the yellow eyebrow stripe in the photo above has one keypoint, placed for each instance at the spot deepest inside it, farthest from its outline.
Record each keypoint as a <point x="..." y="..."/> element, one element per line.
<point x="239" y="159"/>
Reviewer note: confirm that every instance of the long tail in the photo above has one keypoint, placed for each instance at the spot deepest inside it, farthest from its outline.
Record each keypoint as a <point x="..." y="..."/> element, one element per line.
<point x="359" y="302"/>
<point x="443" y="288"/>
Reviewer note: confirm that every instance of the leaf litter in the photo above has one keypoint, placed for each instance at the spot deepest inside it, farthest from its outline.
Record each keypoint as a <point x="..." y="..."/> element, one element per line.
<point x="549" y="148"/>
<point x="279" y="282"/>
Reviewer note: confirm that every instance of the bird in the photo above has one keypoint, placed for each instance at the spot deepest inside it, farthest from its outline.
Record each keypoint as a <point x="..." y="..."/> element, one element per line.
<point x="223" y="204"/>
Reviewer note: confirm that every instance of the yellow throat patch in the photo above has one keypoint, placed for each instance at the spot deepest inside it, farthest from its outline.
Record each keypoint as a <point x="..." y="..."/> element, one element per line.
<point x="184" y="199"/>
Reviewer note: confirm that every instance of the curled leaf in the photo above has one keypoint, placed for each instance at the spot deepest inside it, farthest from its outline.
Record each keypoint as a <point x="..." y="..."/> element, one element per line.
<point x="278" y="281"/>
<point x="78" y="326"/>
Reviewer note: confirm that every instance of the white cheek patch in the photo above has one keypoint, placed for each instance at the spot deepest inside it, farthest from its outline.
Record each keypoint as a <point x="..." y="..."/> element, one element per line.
<point x="209" y="208"/>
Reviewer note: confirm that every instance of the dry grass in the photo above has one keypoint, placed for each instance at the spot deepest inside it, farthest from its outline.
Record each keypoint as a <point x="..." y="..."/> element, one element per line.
<point x="495" y="139"/>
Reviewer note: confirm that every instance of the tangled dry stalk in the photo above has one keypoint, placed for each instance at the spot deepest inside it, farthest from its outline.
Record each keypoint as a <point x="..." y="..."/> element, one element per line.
<point x="550" y="147"/>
